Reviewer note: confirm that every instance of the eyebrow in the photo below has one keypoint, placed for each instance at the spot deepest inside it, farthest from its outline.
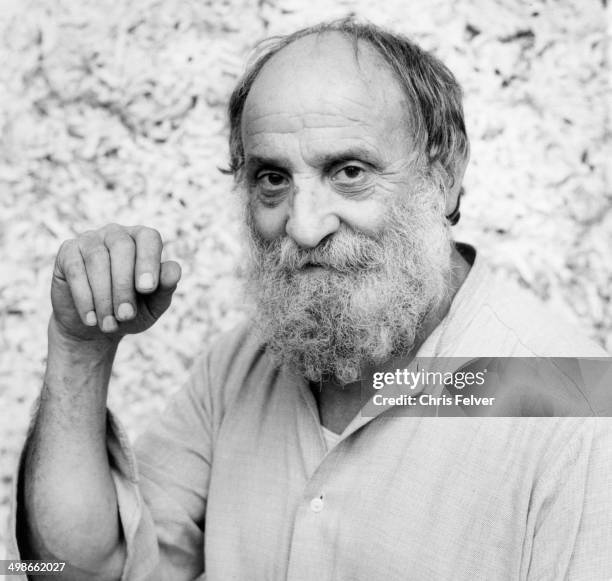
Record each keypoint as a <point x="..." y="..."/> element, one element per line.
<point x="365" y="154"/>
<point x="325" y="160"/>
<point x="258" y="161"/>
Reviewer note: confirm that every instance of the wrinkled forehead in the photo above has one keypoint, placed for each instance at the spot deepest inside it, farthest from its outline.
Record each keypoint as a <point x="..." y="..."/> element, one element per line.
<point x="325" y="78"/>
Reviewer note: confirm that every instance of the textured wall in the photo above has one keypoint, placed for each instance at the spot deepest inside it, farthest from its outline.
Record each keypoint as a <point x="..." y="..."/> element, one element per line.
<point x="114" y="111"/>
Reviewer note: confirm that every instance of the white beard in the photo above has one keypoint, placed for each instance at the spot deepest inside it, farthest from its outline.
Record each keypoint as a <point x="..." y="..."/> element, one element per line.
<point x="367" y="305"/>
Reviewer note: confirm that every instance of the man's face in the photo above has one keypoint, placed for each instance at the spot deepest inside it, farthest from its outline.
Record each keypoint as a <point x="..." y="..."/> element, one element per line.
<point x="327" y="141"/>
<point x="350" y="245"/>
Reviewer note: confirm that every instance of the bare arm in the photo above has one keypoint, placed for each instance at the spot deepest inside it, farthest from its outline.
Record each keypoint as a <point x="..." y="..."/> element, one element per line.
<point x="70" y="503"/>
<point x="70" y="499"/>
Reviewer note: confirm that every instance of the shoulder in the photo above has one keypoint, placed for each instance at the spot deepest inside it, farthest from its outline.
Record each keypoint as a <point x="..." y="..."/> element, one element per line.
<point x="536" y="325"/>
<point x="549" y="386"/>
<point x="238" y="347"/>
<point x="494" y="316"/>
<point x="234" y="358"/>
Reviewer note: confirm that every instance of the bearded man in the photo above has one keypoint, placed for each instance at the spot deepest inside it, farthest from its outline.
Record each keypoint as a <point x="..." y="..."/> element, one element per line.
<point x="349" y="145"/>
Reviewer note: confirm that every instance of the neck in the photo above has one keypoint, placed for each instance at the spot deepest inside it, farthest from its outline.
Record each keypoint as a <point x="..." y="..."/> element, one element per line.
<point x="459" y="270"/>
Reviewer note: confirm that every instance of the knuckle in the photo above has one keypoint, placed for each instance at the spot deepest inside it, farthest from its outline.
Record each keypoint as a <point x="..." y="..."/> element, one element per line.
<point x="87" y="235"/>
<point x="67" y="249"/>
<point x="149" y="235"/>
<point x="119" y="240"/>
<point x="95" y="253"/>
<point x="113" y="227"/>
<point x="67" y="246"/>
<point x="113" y="230"/>
<point x="73" y="269"/>
<point x="66" y="253"/>
<point x="87" y="240"/>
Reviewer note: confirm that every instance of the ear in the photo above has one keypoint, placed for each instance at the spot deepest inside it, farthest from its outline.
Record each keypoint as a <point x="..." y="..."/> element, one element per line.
<point x="453" y="189"/>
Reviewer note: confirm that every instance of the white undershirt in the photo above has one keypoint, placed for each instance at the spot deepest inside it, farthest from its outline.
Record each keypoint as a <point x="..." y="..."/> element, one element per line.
<point x="331" y="439"/>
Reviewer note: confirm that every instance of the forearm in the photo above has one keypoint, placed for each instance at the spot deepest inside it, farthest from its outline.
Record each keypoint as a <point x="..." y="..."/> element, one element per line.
<point x="69" y="497"/>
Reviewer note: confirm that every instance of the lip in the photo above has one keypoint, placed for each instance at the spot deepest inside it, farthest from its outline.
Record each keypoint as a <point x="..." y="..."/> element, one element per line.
<point x="312" y="268"/>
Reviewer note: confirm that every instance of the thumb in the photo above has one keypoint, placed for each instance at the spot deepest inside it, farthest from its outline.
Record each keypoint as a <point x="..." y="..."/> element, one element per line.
<point x="169" y="276"/>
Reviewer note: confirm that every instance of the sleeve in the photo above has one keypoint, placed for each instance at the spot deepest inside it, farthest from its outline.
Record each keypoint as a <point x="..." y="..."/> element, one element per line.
<point x="161" y="484"/>
<point x="572" y="532"/>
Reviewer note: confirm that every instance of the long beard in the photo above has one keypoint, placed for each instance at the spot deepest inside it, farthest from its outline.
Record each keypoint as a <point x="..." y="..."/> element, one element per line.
<point x="368" y="301"/>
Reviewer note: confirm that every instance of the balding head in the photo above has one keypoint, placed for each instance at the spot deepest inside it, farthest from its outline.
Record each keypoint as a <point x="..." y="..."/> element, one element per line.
<point x="317" y="78"/>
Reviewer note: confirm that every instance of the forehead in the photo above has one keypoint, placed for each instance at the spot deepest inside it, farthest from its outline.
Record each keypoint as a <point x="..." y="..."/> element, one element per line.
<point x="322" y="89"/>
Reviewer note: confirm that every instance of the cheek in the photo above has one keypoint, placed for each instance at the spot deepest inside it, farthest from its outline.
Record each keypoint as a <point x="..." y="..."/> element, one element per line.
<point x="269" y="223"/>
<point x="368" y="217"/>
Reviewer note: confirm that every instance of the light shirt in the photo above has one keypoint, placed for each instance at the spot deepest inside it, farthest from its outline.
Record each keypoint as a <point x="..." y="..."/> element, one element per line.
<point x="236" y="479"/>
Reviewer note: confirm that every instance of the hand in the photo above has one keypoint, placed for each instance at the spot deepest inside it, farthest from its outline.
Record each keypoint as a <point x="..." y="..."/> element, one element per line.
<point x="111" y="282"/>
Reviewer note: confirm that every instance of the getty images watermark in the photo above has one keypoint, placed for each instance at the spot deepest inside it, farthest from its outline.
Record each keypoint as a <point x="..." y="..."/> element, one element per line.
<point x="491" y="387"/>
<point x="416" y="380"/>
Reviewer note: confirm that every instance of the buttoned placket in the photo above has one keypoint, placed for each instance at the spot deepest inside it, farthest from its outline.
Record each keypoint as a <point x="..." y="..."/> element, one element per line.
<point x="317" y="508"/>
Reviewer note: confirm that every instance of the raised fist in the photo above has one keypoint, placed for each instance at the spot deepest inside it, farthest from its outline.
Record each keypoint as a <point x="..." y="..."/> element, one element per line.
<point x="111" y="282"/>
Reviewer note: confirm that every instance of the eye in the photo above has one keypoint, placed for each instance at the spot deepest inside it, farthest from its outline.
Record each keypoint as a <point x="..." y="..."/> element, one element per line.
<point x="271" y="186"/>
<point x="351" y="177"/>
<point x="272" y="180"/>
<point x="350" y="172"/>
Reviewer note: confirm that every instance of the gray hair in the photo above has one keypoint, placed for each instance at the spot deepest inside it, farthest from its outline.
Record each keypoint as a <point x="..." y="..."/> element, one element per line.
<point x="434" y="95"/>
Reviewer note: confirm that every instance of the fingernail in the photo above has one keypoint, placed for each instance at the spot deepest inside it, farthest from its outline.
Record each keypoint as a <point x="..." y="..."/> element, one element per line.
<point x="91" y="319"/>
<point x="125" y="311"/>
<point x="109" y="324"/>
<point x="145" y="281"/>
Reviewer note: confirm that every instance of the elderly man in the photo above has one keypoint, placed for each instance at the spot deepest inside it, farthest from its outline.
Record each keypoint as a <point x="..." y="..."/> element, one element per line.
<point x="350" y="147"/>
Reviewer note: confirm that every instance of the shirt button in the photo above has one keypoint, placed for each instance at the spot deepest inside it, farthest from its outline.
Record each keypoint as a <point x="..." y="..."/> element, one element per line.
<point x="316" y="504"/>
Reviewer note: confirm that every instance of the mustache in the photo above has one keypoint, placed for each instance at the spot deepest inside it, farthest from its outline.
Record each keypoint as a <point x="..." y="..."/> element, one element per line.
<point x="346" y="251"/>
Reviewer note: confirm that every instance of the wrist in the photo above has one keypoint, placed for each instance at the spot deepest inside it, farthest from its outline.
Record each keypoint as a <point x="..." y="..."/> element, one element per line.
<point x="78" y="372"/>
<point x="72" y="360"/>
<point x="62" y="342"/>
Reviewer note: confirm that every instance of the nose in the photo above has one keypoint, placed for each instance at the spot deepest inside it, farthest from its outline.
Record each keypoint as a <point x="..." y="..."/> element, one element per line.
<point x="311" y="218"/>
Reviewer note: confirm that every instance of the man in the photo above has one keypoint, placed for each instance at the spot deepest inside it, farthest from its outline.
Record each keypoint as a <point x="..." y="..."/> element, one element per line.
<point x="350" y="147"/>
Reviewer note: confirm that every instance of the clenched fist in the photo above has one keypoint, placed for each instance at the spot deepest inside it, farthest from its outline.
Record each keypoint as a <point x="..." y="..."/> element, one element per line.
<point x="111" y="282"/>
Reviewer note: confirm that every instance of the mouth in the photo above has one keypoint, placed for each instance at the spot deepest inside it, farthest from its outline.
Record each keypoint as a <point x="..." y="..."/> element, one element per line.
<point x="312" y="265"/>
<point x="312" y="268"/>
